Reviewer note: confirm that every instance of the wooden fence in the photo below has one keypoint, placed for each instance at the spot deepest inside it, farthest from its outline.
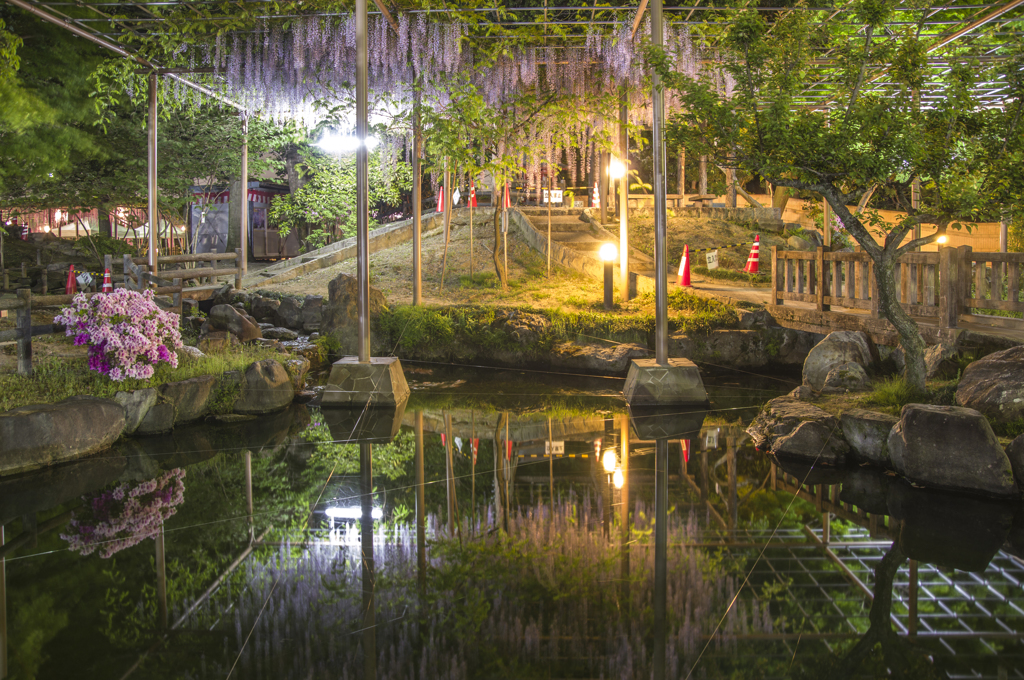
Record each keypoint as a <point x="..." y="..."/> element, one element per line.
<point x="947" y="286"/>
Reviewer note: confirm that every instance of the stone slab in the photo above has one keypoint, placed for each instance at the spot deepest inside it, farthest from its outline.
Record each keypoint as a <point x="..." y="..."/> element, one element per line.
<point x="381" y="381"/>
<point x="676" y="383"/>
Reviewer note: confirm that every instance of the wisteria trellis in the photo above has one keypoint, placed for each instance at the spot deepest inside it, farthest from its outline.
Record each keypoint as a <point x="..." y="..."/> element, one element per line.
<point x="289" y="74"/>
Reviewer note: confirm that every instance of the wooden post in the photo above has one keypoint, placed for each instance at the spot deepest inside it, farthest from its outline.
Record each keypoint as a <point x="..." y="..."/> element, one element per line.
<point x="7" y="280"/>
<point x="24" y="271"/>
<point x="822" y="288"/>
<point x="775" y="275"/>
<point x="24" y="325"/>
<point x="161" y="579"/>
<point x="948" y="288"/>
<point x="826" y="228"/>
<point x="43" y="278"/>
<point x="238" y="269"/>
<point x="964" y="272"/>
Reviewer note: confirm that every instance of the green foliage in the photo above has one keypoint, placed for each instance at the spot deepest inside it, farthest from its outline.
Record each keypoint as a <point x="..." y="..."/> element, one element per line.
<point x="105" y="245"/>
<point x="328" y="345"/>
<point x="31" y="628"/>
<point x="9" y="59"/>
<point x="326" y="203"/>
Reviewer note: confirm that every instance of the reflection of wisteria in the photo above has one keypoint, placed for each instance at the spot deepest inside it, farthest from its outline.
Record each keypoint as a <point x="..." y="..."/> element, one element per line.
<point x="551" y="595"/>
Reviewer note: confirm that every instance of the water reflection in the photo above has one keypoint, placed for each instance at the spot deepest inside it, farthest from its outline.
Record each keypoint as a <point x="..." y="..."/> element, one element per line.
<point x="489" y="540"/>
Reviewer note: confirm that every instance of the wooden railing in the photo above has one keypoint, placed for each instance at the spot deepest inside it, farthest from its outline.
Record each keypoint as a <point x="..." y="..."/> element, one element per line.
<point x="200" y="270"/>
<point x="949" y="285"/>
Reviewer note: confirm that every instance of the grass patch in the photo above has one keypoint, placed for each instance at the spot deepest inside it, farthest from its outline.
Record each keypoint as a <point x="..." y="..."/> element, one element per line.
<point x="1012" y="429"/>
<point x="55" y="379"/>
<point x="759" y="279"/>
<point x="893" y="393"/>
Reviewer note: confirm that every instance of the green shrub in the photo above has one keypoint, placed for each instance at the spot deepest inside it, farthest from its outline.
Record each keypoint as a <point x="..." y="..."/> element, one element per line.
<point x="894" y="393"/>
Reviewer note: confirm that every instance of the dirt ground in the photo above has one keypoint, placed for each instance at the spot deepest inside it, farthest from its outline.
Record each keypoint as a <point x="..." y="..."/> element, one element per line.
<point x="705" y="233"/>
<point x="391" y="272"/>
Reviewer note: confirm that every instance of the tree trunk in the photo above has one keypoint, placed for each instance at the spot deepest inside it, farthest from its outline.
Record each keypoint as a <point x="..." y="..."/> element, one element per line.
<point x="496" y="256"/>
<point x="889" y="306"/>
<point x="103" y="218"/>
<point x="781" y="197"/>
<point x="296" y="173"/>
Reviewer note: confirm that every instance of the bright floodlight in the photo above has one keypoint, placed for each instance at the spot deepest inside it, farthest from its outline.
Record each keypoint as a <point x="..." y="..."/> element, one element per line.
<point x="609" y="460"/>
<point x="352" y="513"/>
<point x="340" y="144"/>
<point x="942" y="239"/>
<point x="618" y="480"/>
<point x="616" y="169"/>
<point x="608" y="252"/>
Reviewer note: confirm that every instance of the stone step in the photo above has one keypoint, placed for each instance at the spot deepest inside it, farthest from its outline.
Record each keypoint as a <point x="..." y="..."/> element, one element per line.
<point x="575" y="225"/>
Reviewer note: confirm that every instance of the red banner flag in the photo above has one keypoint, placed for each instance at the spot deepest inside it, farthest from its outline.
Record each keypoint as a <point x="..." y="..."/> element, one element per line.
<point x="686" y="449"/>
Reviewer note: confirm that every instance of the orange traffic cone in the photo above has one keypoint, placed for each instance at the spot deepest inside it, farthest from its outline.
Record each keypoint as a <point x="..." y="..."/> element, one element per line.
<point x="752" y="259"/>
<point x="108" y="287"/>
<point x="684" y="268"/>
<point x="440" y="200"/>
<point x="72" y="285"/>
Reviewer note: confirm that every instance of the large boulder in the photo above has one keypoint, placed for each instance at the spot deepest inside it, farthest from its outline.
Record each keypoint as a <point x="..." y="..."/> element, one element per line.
<point x="39" y="435"/>
<point x="994" y="385"/>
<point x="950" y="448"/>
<point x="136" y="405"/>
<point x="1015" y="452"/>
<point x="848" y="377"/>
<point x="289" y="314"/>
<point x="297" y="368"/>
<point x="190" y="398"/>
<point x="838" y="348"/>
<point x="159" y="418"/>
<point x="867" y="433"/>
<point x="341" y="314"/>
<point x="266" y="387"/>
<point x="228" y="319"/>
<point x="216" y="341"/>
<point x="265" y="309"/>
<point x="796" y="429"/>
<point x="312" y="313"/>
<point x="940" y="361"/>
<point x="523" y="327"/>
<point x="280" y="333"/>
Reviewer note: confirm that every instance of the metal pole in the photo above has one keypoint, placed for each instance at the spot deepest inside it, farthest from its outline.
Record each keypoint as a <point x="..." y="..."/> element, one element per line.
<point x="366" y="533"/>
<point x="154" y="215"/>
<point x="450" y="474"/>
<point x="417" y="202"/>
<point x="1004" y="232"/>
<point x="243" y="230"/>
<point x="551" y="189"/>
<point x="603" y="182"/>
<point x="421" y="522"/>
<point x="624" y="197"/>
<point x="362" y="187"/>
<point x="660" y="537"/>
<point x="660" y="215"/>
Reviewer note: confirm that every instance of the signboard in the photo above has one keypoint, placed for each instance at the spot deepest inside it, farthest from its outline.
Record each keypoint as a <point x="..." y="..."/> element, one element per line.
<point x="555" y="448"/>
<point x="456" y="195"/>
<point x="712" y="259"/>
<point x="711" y="439"/>
<point x="556" y="196"/>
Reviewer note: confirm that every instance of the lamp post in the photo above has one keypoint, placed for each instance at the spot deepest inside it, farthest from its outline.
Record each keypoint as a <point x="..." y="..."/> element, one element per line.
<point x="608" y="254"/>
<point x="617" y="171"/>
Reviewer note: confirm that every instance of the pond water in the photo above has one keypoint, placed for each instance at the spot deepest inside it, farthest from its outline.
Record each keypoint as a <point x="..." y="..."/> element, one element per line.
<point x="503" y="528"/>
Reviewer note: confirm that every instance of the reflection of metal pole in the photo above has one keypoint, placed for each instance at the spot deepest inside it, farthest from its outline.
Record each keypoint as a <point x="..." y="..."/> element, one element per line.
<point x="417" y="203"/>
<point x="248" y="491"/>
<point x="551" y="459"/>
<point x="366" y="530"/>
<point x="551" y="190"/>
<point x="624" y="500"/>
<point x="660" y="215"/>
<point x="161" y="580"/>
<point x="450" y="473"/>
<point x="472" y="453"/>
<point x="3" y="610"/>
<point x="660" y="540"/>
<point x="733" y="496"/>
<point x="362" y="188"/>
<point x="421" y="523"/>
<point x="912" y="600"/>
<point x="154" y="215"/>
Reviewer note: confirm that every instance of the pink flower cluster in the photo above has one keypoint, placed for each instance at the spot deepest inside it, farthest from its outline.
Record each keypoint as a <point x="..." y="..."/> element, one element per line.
<point x="126" y="332"/>
<point x="122" y="517"/>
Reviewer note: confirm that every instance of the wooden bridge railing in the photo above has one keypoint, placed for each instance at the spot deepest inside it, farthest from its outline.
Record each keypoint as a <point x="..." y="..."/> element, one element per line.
<point x="949" y="285"/>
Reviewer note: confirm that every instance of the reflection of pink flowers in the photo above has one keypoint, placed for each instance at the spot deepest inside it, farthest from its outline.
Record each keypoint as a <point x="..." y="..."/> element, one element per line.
<point x="117" y="519"/>
<point x="126" y="332"/>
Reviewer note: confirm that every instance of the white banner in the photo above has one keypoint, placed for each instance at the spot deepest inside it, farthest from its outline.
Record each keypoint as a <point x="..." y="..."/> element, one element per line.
<point x="556" y="196"/>
<point x="712" y="259"/>
<point x="456" y="195"/>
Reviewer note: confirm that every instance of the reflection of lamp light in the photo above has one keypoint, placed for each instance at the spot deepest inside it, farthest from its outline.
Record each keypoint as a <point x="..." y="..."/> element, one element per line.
<point x="616" y="169"/>
<point x="609" y="460"/>
<point x="46" y="228"/>
<point x="617" y="479"/>
<point x="608" y="253"/>
<point x="352" y="513"/>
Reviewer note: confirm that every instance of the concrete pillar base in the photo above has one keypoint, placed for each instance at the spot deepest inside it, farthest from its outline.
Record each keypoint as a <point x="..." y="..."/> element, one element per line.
<point x="380" y="382"/>
<point x="677" y="383"/>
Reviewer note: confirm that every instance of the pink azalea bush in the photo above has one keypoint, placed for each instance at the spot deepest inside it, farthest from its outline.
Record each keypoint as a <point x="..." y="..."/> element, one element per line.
<point x="126" y="332"/>
<point x="116" y="519"/>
